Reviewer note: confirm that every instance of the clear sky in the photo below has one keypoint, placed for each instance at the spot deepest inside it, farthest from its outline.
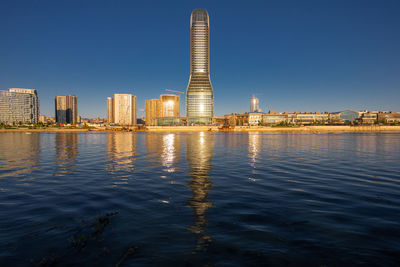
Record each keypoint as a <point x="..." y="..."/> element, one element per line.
<point x="294" y="55"/>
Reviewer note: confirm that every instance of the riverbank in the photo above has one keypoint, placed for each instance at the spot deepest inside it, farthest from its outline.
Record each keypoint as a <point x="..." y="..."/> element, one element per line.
<point x="303" y="129"/>
<point x="323" y="129"/>
<point x="50" y="130"/>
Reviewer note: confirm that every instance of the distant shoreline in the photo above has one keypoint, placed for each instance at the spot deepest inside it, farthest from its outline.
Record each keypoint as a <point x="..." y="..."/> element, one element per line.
<point x="303" y="129"/>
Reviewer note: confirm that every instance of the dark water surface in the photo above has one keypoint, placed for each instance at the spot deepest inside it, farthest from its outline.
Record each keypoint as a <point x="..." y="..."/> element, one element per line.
<point x="199" y="199"/>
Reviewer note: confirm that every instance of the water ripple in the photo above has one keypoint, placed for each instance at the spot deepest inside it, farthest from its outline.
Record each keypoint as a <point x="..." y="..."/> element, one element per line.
<point x="199" y="198"/>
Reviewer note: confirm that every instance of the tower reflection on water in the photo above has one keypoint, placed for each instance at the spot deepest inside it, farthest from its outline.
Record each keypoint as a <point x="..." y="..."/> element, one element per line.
<point x="254" y="148"/>
<point x="163" y="149"/>
<point x="23" y="160"/>
<point x="199" y="155"/>
<point x="121" y="152"/>
<point x="66" y="153"/>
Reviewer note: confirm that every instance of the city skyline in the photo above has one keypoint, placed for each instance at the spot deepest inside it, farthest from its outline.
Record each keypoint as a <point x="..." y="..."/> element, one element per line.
<point x="309" y="57"/>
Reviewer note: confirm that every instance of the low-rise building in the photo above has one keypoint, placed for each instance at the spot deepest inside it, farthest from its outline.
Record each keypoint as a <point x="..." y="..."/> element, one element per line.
<point x="164" y="121"/>
<point x="388" y="117"/>
<point x="255" y="118"/>
<point x="274" y="118"/>
<point x="308" y="118"/>
<point x="368" y="117"/>
<point x="219" y="120"/>
<point x="342" y="117"/>
<point x="42" y="119"/>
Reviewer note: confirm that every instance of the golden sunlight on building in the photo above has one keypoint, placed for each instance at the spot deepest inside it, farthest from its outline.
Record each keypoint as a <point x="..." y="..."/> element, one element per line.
<point x="122" y="109"/>
<point x="170" y="106"/>
<point x="159" y="111"/>
<point x="153" y="111"/>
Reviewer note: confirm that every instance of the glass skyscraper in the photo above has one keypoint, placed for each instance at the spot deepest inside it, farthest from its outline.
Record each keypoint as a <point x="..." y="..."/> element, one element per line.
<point x="199" y="95"/>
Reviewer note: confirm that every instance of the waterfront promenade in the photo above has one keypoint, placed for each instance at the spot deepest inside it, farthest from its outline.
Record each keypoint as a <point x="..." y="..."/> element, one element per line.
<point x="302" y="129"/>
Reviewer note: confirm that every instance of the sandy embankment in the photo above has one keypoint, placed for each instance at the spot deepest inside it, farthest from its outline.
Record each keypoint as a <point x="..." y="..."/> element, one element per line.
<point x="304" y="129"/>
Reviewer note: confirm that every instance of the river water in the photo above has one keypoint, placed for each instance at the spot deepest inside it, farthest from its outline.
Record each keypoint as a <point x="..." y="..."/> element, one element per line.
<point x="199" y="199"/>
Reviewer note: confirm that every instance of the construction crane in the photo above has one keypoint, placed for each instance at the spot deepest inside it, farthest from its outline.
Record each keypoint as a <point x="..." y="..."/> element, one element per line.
<point x="178" y="92"/>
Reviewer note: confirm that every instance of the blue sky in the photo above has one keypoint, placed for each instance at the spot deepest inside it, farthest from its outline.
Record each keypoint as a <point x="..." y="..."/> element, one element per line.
<point x="294" y="55"/>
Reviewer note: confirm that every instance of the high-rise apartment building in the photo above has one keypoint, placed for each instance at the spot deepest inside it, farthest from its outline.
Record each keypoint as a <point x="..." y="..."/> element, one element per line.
<point x="199" y="96"/>
<point x="19" y="105"/>
<point x="153" y="111"/>
<point x="110" y="110"/>
<point x="254" y="104"/>
<point x="125" y="109"/>
<point x="170" y="106"/>
<point x="66" y="109"/>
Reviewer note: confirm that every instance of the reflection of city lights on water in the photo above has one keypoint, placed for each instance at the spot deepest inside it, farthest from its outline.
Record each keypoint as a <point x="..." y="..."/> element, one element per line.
<point x="199" y="156"/>
<point x="202" y="138"/>
<point x="253" y="147"/>
<point x="168" y="154"/>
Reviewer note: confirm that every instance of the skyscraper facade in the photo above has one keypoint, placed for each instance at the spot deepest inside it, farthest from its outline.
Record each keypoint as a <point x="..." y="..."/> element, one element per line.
<point x="254" y="104"/>
<point x="199" y="95"/>
<point x="110" y="110"/>
<point x="170" y="106"/>
<point x="153" y="111"/>
<point x="125" y="109"/>
<point x="19" y="105"/>
<point x="66" y="109"/>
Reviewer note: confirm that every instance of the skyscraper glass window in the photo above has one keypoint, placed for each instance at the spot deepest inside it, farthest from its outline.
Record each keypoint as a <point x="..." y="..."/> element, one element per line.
<point x="199" y="96"/>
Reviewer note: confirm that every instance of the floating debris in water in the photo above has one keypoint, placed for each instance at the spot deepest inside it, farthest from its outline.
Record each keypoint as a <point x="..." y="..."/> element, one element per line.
<point x="130" y="251"/>
<point x="98" y="226"/>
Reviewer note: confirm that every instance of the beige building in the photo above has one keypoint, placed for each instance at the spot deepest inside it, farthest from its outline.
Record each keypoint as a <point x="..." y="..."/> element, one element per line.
<point x="42" y="119"/>
<point x="170" y="106"/>
<point x="66" y="109"/>
<point x="125" y="109"/>
<point x="153" y="111"/>
<point x="273" y="118"/>
<point x="22" y="91"/>
<point x="308" y="118"/>
<point x="368" y="117"/>
<point x="388" y="117"/>
<point x="255" y="118"/>
<point x="161" y="111"/>
<point x="110" y="110"/>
